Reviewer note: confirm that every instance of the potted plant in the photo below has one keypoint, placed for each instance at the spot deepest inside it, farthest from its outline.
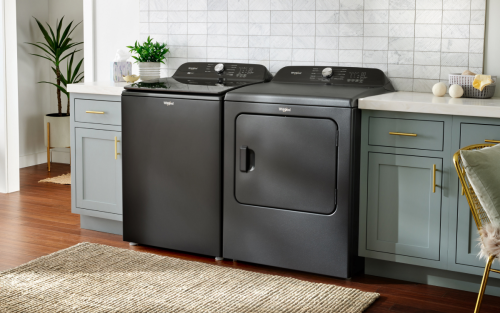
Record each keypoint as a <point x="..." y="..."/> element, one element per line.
<point x="57" y="48"/>
<point x="149" y="55"/>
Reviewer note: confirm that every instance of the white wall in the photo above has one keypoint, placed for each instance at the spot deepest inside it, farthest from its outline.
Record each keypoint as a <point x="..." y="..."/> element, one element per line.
<point x="492" y="43"/>
<point x="34" y="98"/>
<point x="116" y="26"/>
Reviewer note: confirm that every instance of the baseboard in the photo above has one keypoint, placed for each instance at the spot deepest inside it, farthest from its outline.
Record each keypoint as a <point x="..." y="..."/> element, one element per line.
<point x="58" y="155"/>
<point x="430" y="276"/>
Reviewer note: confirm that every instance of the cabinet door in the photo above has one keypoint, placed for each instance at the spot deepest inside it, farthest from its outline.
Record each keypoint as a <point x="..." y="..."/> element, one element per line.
<point x="467" y="235"/>
<point x="404" y="214"/>
<point x="98" y="173"/>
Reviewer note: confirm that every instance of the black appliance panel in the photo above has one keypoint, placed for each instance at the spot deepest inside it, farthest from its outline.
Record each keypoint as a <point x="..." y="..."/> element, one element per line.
<point x="188" y="86"/>
<point x="286" y="162"/>
<point x="230" y="72"/>
<point x="172" y="172"/>
<point x="355" y="76"/>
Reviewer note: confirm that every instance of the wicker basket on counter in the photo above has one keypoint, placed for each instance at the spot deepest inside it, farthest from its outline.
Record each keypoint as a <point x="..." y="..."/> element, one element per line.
<point x="469" y="91"/>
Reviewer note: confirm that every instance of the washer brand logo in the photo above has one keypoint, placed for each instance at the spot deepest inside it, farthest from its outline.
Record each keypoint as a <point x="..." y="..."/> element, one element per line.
<point x="167" y="103"/>
<point x="192" y="68"/>
<point x="296" y="73"/>
<point x="285" y="109"/>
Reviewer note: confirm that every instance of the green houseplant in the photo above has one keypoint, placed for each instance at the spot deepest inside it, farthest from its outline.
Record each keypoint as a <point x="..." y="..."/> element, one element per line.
<point x="149" y="56"/>
<point x="59" y="46"/>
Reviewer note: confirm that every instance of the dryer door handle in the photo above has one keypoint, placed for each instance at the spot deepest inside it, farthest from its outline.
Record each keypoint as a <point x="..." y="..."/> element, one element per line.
<point x="244" y="159"/>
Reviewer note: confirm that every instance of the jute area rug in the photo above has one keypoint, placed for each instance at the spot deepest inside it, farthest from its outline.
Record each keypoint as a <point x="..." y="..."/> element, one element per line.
<point x="97" y="278"/>
<point x="64" y="179"/>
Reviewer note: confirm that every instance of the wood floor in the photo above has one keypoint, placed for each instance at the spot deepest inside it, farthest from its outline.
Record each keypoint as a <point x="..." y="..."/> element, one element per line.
<point x="37" y="221"/>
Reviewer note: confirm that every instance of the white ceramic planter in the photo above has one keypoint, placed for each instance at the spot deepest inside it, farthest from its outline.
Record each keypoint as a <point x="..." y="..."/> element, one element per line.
<point x="149" y="70"/>
<point x="59" y="130"/>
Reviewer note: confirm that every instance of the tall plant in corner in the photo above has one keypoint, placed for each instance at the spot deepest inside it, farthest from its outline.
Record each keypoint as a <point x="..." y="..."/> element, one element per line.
<point x="57" y="46"/>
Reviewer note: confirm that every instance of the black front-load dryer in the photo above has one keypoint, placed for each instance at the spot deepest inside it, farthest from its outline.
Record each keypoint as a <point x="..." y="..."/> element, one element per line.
<point x="172" y="155"/>
<point x="291" y="169"/>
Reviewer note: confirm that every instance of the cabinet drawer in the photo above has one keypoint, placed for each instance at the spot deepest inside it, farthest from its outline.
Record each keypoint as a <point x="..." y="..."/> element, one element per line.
<point x="98" y="112"/>
<point x="406" y="133"/>
<point x="473" y="134"/>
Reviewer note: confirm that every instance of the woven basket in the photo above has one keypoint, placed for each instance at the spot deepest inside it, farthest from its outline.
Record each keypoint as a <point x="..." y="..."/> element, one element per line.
<point x="469" y="91"/>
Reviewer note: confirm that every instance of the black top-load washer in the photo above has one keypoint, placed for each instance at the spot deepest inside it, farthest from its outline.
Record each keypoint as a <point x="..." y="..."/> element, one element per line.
<point x="172" y="155"/>
<point x="291" y="168"/>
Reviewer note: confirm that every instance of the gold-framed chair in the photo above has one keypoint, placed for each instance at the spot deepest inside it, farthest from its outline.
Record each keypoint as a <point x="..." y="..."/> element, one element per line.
<point x="480" y="216"/>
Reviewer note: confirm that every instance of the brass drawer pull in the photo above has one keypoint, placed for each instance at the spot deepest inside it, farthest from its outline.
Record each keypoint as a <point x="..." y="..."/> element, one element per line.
<point x="95" y="112"/>
<point x="116" y="148"/>
<point x="492" y="141"/>
<point x="434" y="178"/>
<point x="403" y="134"/>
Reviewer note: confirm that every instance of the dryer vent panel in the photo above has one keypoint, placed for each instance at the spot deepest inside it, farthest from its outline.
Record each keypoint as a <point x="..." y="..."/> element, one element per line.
<point x="286" y="163"/>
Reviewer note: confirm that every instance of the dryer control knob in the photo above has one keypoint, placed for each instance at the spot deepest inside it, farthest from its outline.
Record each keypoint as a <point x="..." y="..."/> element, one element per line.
<point x="327" y="72"/>
<point x="219" y="68"/>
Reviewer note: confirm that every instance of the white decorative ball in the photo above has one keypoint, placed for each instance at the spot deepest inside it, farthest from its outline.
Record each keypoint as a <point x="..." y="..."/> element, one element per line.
<point x="439" y="89"/>
<point x="456" y="91"/>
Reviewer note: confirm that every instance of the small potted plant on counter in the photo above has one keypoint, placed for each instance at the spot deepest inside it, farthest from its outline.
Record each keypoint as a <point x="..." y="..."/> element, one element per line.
<point x="149" y="56"/>
<point x="57" y="48"/>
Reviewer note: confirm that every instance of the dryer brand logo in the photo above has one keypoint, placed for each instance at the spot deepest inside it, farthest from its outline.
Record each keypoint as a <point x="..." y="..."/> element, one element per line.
<point x="285" y="109"/>
<point x="168" y="103"/>
<point x="296" y="73"/>
<point x="192" y="68"/>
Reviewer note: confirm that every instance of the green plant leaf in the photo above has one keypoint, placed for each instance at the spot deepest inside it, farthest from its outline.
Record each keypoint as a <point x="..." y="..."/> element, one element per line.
<point x="57" y="86"/>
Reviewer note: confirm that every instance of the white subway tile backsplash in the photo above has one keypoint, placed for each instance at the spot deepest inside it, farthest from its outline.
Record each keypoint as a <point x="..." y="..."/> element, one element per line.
<point x="402" y="4"/>
<point x="370" y="56"/>
<point x="350" y="30"/>
<point x="237" y="16"/>
<point x="455" y="45"/>
<point x="428" y="17"/>
<point x="259" y="16"/>
<point x="351" y="4"/>
<point x="282" y="5"/>
<point x="376" y="43"/>
<point x="174" y="5"/>
<point x="402" y="16"/>
<point x="376" y="30"/>
<point x="429" y="4"/>
<point x="351" y="56"/>
<point x="259" y="41"/>
<point x="376" y="17"/>
<point x="446" y="70"/>
<point x="327" y="5"/>
<point x="281" y="29"/>
<point x="401" y="44"/>
<point x="261" y="5"/>
<point x="326" y="55"/>
<point x="376" y="4"/>
<point x="217" y="5"/>
<point x="456" y="4"/>
<point x="417" y="42"/>
<point x="351" y="43"/>
<point x="400" y="57"/>
<point x="281" y="42"/>
<point x="401" y="30"/>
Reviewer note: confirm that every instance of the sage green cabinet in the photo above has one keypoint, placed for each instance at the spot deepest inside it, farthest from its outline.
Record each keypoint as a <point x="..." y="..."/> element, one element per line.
<point x="403" y="208"/>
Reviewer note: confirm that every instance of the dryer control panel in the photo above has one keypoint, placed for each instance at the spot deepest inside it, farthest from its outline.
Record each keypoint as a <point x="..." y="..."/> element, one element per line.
<point x="333" y="75"/>
<point x="223" y="71"/>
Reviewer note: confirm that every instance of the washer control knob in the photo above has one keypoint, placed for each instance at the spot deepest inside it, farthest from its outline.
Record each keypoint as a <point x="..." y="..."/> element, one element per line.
<point x="327" y="72"/>
<point x="219" y="68"/>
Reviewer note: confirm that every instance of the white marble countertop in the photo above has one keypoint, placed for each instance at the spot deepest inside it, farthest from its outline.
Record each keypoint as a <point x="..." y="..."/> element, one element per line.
<point x="98" y="88"/>
<point x="416" y="102"/>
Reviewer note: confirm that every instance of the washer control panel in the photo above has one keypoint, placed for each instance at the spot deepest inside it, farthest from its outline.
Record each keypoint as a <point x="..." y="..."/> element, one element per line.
<point x="331" y="75"/>
<point x="224" y="71"/>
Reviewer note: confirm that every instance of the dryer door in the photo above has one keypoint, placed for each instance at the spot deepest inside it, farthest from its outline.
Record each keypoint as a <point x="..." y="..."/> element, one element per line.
<point x="286" y="162"/>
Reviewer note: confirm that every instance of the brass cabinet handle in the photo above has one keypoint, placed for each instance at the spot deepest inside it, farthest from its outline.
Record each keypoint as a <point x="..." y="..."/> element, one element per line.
<point x="95" y="112"/>
<point x="116" y="148"/>
<point x="492" y="141"/>
<point x="434" y="178"/>
<point x="403" y="134"/>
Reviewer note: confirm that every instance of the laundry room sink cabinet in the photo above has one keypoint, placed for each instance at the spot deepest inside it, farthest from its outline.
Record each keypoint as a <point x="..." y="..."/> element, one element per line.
<point x="96" y="164"/>
<point x="403" y="203"/>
